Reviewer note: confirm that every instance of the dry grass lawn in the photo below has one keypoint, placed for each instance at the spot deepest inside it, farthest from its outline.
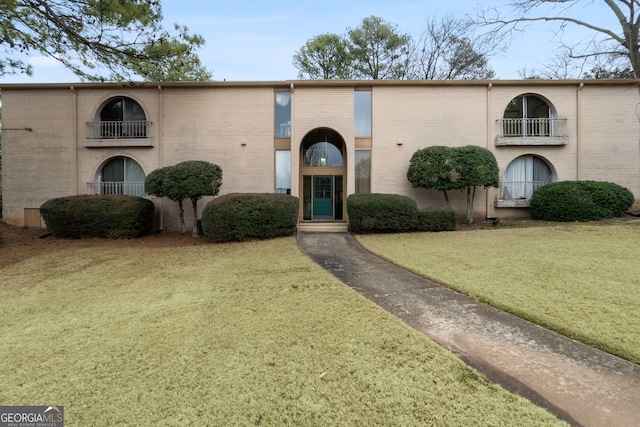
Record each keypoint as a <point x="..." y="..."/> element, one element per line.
<point x="233" y="334"/>
<point x="582" y="280"/>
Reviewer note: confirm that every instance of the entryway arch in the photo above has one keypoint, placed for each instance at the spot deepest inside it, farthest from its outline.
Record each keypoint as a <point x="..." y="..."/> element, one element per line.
<point x="323" y="175"/>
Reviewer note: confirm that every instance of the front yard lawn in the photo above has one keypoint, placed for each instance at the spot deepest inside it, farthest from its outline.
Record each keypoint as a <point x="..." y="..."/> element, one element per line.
<point x="579" y="279"/>
<point x="227" y="334"/>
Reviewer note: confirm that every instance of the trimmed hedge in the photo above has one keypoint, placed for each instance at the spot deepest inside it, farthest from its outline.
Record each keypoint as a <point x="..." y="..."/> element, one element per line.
<point x="437" y="219"/>
<point x="381" y="213"/>
<point x="580" y="201"/>
<point x="110" y="216"/>
<point x="250" y="216"/>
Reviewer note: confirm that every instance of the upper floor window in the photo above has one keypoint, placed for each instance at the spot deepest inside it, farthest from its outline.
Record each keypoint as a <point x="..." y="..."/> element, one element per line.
<point x="283" y="114"/>
<point x="362" y="113"/>
<point x="527" y="115"/>
<point x="120" y="118"/>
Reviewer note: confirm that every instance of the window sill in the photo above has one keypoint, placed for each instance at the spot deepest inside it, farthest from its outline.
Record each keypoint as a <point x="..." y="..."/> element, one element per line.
<point x="123" y="142"/>
<point x="512" y="203"/>
<point x="532" y="140"/>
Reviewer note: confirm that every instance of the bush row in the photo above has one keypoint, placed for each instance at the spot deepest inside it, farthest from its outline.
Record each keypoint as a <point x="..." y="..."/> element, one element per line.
<point x="111" y="216"/>
<point x="580" y="201"/>
<point x="393" y="213"/>
<point x="236" y="217"/>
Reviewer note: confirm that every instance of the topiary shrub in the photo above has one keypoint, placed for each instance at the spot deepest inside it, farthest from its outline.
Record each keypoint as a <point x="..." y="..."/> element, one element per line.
<point x="438" y="219"/>
<point x="110" y="216"/>
<point x="580" y="201"/>
<point x="237" y="217"/>
<point x="381" y="213"/>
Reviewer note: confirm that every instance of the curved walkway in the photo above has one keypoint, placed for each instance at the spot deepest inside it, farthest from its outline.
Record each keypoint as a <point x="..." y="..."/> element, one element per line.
<point x="578" y="383"/>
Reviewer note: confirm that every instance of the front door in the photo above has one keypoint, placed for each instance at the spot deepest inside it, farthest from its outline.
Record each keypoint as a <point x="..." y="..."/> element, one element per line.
<point x="322" y="197"/>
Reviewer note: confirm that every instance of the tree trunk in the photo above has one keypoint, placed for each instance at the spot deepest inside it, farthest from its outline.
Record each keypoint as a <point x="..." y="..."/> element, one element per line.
<point x="471" y="193"/>
<point x="194" y="203"/>
<point x="446" y="199"/>
<point x="183" y="228"/>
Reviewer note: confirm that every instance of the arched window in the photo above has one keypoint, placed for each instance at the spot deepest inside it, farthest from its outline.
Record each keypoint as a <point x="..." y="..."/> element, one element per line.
<point x="523" y="176"/>
<point x="121" y="175"/>
<point x="527" y="116"/>
<point x="123" y="118"/>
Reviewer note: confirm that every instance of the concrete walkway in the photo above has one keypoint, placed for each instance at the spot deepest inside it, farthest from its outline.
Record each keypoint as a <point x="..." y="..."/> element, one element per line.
<point x="581" y="385"/>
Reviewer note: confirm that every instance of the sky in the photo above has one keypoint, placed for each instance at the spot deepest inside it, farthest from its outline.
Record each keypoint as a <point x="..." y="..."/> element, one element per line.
<point x="256" y="40"/>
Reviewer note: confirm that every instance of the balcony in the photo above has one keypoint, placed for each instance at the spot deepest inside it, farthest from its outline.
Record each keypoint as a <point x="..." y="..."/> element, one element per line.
<point x="536" y="131"/>
<point x="517" y="194"/>
<point x="118" y="134"/>
<point x="128" y="188"/>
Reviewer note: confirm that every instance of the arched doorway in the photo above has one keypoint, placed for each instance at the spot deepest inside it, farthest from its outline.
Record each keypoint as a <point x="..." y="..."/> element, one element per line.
<point x="323" y="163"/>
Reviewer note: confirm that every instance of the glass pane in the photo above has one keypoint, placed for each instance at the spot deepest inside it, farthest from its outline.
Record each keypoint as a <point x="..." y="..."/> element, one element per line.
<point x="112" y="111"/>
<point x="515" y="109"/>
<point x="362" y="113"/>
<point x="363" y="171"/>
<point x="283" y="171"/>
<point x="322" y="154"/>
<point x="338" y="197"/>
<point x="536" y="108"/>
<point x="283" y="115"/>
<point x="306" y="197"/>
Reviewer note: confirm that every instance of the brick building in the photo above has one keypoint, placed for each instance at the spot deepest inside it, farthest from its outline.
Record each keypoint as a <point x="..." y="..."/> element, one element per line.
<point x="317" y="140"/>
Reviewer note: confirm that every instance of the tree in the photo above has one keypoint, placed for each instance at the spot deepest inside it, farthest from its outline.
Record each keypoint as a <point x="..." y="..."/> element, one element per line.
<point x="324" y="57"/>
<point x="378" y="50"/>
<point x="619" y="41"/>
<point x="454" y="168"/>
<point x="192" y="179"/>
<point x="446" y="51"/>
<point x="433" y="168"/>
<point x="475" y="166"/>
<point x="98" y="40"/>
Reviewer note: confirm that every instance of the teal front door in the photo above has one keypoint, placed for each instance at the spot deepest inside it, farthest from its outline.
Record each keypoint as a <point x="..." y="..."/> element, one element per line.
<point x="322" y="197"/>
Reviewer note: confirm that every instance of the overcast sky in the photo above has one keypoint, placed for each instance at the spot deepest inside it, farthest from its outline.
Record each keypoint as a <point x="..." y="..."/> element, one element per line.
<point x="256" y="40"/>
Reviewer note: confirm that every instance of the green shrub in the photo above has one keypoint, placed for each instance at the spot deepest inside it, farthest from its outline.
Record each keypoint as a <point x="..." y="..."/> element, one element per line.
<point x="438" y="219"/>
<point x="111" y="216"/>
<point x="580" y="201"/>
<point x="381" y="213"/>
<point x="237" y="217"/>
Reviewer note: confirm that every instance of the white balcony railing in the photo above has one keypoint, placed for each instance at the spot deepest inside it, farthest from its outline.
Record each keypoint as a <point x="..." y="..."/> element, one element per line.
<point x="118" y="129"/>
<point x="128" y="188"/>
<point x="537" y="127"/>
<point x="511" y="190"/>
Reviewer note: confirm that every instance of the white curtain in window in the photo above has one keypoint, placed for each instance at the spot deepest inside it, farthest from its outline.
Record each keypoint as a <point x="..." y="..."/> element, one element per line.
<point x="523" y="176"/>
<point x="283" y="98"/>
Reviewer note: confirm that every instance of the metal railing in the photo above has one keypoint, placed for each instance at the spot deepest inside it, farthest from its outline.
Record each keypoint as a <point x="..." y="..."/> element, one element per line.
<point x="532" y="127"/>
<point x="118" y="129"/>
<point x="128" y="188"/>
<point x="512" y="190"/>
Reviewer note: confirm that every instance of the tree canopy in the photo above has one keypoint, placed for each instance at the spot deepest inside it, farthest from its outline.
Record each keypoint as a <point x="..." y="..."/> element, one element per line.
<point x="613" y="47"/>
<point x="99" y="40"/>
<point x="454" y="168"/>
<point x="191" y="179"/>
<point x="376" y="49"/>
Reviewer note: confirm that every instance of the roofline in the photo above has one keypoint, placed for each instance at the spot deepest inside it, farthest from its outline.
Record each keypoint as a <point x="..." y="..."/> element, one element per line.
<point x="320" y="83"/>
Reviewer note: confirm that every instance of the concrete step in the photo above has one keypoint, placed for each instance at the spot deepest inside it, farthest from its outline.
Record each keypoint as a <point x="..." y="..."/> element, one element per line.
<point x="323" y="227"/>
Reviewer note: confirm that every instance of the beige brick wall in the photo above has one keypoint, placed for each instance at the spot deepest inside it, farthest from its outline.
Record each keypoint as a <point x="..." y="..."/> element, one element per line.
<point x="233" y="126"/>
<point x="37" y="165"/>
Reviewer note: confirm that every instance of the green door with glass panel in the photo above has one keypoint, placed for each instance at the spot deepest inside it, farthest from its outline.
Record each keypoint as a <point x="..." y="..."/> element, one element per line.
<point x="322" y="197"/>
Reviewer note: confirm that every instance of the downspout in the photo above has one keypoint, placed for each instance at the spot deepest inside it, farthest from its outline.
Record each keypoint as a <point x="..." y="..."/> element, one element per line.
<point x="488" y="201"/>
<point x="161" y="147"/>
<point x="74" y="119"/>
<point x="579" y="131"/>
